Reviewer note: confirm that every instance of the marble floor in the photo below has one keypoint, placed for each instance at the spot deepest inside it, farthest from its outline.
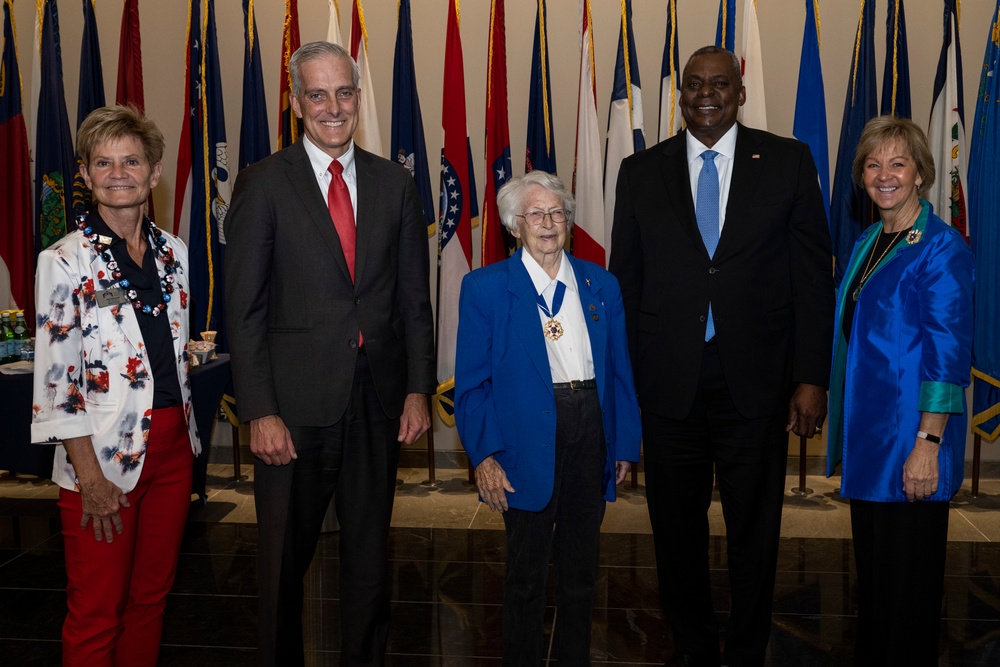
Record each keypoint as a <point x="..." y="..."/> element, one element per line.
<point x="447" y="567"/>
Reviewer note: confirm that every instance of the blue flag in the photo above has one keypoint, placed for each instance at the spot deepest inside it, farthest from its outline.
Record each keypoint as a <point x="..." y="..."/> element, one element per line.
<point x="896" y="80"/>
<point x="725" y="29"/>
<point x="810" y="102"/>
<point x="540" y="152"/>
<point x="851" y="210"/>
<point x="55" y="165"/>
<point x="670" y="79"/>
<point x="91" y="95"/>
<point x="408" y="146"/>
<point x="984" y="211"/>
<point x="255" y="139"/>
<point x="211" y="186"/>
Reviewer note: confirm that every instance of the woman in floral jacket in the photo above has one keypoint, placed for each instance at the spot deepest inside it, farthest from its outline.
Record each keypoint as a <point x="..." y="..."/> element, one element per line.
<point x="111" y="387"/>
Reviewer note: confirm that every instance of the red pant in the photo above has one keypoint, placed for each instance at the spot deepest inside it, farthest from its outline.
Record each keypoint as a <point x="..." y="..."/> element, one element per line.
<point x="117" y="592"/>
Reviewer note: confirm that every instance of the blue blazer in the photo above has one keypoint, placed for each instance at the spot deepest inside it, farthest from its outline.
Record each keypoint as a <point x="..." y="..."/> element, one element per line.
<point x="504" y="401"/>
<point x="910" y="352"/>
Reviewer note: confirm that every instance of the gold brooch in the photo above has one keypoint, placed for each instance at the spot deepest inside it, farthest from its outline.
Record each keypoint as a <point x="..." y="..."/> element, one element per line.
<point x="913" y="236"/>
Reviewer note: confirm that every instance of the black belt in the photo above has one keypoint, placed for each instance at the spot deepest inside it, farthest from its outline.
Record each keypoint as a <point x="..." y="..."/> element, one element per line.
<point x="576" y="385"/>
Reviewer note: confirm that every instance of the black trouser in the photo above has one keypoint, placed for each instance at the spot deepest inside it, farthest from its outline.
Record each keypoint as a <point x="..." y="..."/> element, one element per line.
<point x="899" y="549"/>
<point x="748" y="458"/>
<point x="356" y="460"/>
<point x="569" y="526"/>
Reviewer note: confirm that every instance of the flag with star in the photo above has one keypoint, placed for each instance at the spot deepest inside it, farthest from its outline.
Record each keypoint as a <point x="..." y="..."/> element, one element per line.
<point x="498" y="243"/>
<point x="289" y="127"/>
<point x="54" y="151"/>
<point x="255" y="138"/>
<point x="984" y="209"/>
<point x="725" y="29"/>
<point x="851" y="211"/>
<point x="670" y="79"/>
<point x="454" y="215"/>
<point x="754" y="112"/>
<point x="809" y="125"/>
<point x="540" y="149"/>
<point x="90" y="95"/>
<point x="17" y="257"/>
<point x="625" y="127"/>
<point x="896" y="78"/>
<point x="407" y="144"/>
<point x="946" y="133"/>
<point x="588" y="185"/>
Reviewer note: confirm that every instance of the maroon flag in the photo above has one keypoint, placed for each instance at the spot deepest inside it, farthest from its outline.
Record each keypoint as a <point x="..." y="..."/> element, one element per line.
<point x="498" y="243"/>
<point x="130" y="68"/>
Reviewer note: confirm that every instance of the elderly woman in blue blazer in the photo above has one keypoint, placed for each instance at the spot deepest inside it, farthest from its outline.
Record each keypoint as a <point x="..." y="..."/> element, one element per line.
<point x="902" y="355"/>
<point x="547" y="411"/>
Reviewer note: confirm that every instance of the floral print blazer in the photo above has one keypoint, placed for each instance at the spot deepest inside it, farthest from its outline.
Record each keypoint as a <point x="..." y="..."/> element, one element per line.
<point x="91" y="373"/>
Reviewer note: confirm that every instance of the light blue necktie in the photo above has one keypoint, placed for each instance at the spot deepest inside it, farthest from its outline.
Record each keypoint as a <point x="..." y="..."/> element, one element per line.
<point x="707" y="212"/>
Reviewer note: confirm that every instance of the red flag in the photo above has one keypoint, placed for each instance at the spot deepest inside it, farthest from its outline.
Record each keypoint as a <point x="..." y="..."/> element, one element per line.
<point x="17" y="256"/>
<point x="288" y="124"/>
<point x="498" y="243"/>
<point x="130" y="58"/>
<point x="130" y="68"/>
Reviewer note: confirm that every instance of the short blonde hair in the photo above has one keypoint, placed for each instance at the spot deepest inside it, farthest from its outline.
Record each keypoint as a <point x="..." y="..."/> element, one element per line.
<point x="882" y="131"/>
<point x="116" y="122"/>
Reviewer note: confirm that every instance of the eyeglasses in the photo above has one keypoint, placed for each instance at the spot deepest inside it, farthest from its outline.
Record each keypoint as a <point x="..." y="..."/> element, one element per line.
<point x="535" y="218"/>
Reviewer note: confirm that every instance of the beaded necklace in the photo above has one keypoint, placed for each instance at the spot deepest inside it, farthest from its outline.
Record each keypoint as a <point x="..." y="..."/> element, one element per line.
<point x="157" y="241"/>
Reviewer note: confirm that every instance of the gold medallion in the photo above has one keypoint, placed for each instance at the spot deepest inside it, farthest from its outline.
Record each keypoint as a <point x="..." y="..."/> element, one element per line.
<point x="553" y="329"/>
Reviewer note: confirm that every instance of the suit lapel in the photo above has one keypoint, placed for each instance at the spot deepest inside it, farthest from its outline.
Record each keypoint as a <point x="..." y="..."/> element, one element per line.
<point x="677" y="183"/>
<point x="745" y="176"/>
<point x="303" y="182"/>
<point x="594" y="315"/>
<point x="524" y="316"/>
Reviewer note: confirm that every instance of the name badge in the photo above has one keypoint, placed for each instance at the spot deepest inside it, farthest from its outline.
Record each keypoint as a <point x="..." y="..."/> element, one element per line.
<point x="111" y="297"/>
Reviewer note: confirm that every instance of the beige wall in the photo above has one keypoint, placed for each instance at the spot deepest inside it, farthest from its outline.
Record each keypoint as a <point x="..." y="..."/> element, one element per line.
<point x="164" y="24"/>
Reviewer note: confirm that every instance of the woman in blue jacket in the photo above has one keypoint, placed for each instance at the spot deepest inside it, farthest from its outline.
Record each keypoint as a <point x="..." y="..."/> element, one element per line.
<point x="902" y="356"/>
<point x="547" y="411"/>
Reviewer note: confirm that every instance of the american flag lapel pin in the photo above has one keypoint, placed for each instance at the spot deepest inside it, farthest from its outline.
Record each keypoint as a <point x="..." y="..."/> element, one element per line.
<point x="755" y="156"/>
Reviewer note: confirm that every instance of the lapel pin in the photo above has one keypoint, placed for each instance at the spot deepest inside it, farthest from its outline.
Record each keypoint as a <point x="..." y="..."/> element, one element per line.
<point x="593" y="307"/>
<point x="596" y="318"/>
<point x="587" y="280"/>
<point x="755" y="156"/>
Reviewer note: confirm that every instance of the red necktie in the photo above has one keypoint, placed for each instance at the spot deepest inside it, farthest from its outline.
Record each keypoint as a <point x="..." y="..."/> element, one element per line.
<point x="338" y="200"/>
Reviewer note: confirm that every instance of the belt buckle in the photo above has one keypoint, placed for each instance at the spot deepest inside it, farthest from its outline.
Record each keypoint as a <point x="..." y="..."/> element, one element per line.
<point x="576" y="385"/>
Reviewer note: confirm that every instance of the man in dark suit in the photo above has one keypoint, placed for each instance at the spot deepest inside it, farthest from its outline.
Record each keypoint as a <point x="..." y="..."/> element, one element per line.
<point x="331" y="334"/>
<point x="721" y="246"/>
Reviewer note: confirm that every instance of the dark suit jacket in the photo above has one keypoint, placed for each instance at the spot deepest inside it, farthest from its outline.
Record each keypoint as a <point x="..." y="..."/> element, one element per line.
<point x="769" y="283"/>
<point x="294" y="314"/>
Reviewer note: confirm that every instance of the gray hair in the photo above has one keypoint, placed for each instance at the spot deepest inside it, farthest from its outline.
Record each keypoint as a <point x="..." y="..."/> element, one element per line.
<point x="510" y="198"/>
<point x="314" y="51"/>
<point x="734" y="61"/>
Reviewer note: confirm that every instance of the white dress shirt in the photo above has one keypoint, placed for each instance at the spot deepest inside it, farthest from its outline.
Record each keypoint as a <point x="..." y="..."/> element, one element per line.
<point x="570" y="357"/>
<point x="320" y="162"/>
<point x="726" y="149"/>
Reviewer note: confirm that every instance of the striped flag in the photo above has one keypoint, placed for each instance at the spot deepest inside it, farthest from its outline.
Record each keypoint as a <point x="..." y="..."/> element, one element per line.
<point x="896" y="80"/>
<point x="754" y="112"/>
<point x="255" y="138"/>
<point x="408" y="146"/>
<point x="17" y="257"/>
<point x="90" y="95"/>
<point x="189" y="151"/>
<point x="289" y="127"/>
<point x="540" y="151"/>
<point x="454" y="215"/>
<point x="54" y="162"/>
<point x="671" y="119"/>
<point x="333" y="28"/>
<point x="984" y="208"/>
<point x="809" y="125"/>
<point x="625" y="135"/>
<point x="588" y="231"/>
<point x="498" y="243"/>
<point x="725" y="30"/>
<point x="946" y="133"/>
<point x="367" y="135"/>
<point x="851" y="210"/>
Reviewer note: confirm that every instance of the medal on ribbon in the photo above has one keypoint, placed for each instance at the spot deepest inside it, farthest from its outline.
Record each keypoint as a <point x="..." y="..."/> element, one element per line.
<point x="552" y="328"/>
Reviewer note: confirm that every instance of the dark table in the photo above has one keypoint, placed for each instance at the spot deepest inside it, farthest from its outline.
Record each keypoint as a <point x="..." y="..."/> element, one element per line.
<point x="208" y="383"/>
